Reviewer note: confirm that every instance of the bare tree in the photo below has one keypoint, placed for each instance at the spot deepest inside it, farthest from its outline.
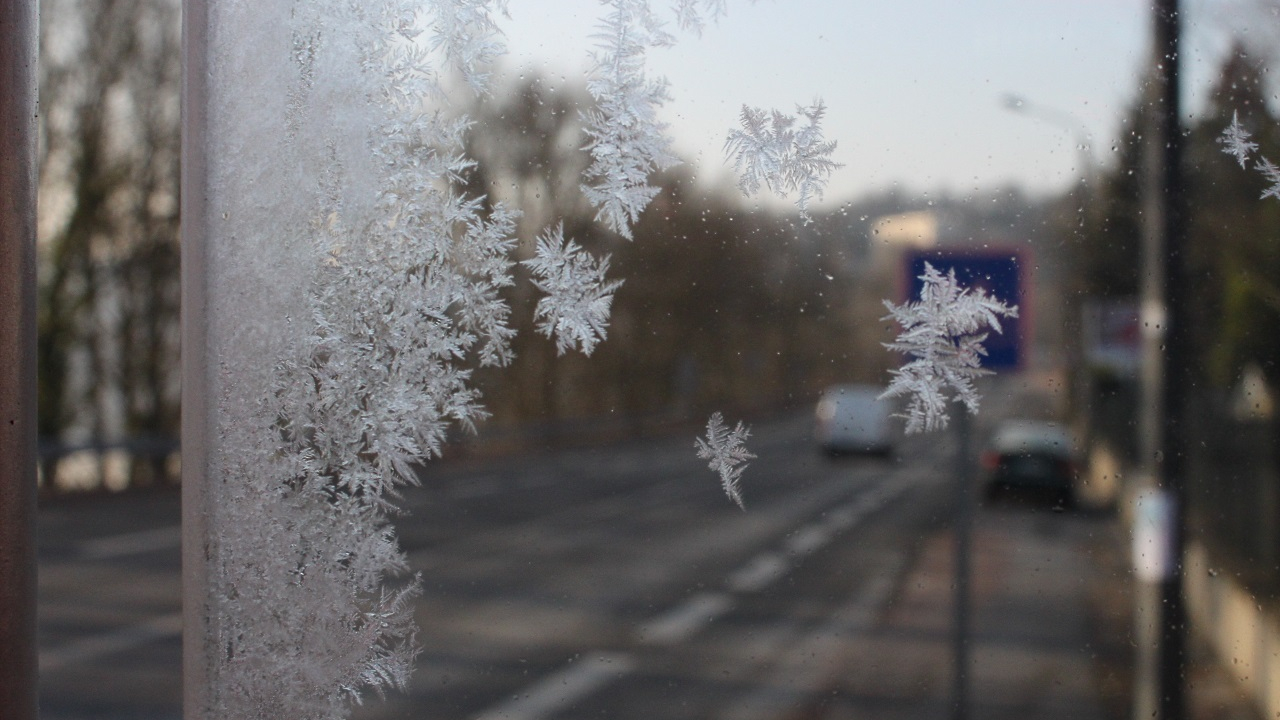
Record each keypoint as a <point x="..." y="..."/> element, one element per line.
<point x="109" y="97"/>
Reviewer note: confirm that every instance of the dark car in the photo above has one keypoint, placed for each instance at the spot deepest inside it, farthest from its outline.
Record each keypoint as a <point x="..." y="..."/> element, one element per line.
<point x="1031" y="457"/>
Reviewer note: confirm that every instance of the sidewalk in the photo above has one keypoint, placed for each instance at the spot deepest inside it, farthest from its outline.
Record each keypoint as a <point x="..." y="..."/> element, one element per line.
<point x="1050" y="629"/>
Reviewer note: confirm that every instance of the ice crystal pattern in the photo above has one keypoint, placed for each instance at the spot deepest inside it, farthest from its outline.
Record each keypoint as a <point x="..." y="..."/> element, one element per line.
<point x="575" y="308"/>
<point x="770" y="150"/>
<point x="311" y="601"/>
<point x="692" y="15"/>
<point x="727" y="453"/>
<point x="626" y="140"/>
<point x="465" y="31"/>
<point x="942" y="333"/>
<point x="1236" y="143"/>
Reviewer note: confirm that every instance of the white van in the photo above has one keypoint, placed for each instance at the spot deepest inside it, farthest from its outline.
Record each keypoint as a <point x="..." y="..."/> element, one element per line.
<point x="853" y="419"/>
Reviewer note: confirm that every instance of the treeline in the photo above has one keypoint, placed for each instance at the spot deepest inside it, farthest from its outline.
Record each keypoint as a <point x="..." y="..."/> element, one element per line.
<point x="108" y="378"/>
<point x="1232" y="282"/>
<point x="720" y="307"/>
<point x="724" y="305"/>
<point x="1232" y="236"/>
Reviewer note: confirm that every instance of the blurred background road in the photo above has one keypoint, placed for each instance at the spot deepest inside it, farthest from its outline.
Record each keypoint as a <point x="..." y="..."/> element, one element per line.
<point x="620" y="582"/>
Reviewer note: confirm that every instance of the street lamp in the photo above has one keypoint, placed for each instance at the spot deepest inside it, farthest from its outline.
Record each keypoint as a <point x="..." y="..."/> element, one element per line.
<point x="1072" y="280"/>
<point x="1062" y="119"/>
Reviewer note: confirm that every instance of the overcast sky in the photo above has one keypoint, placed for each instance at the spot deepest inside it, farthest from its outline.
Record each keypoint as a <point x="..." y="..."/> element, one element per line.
<point x="914" y="87"/>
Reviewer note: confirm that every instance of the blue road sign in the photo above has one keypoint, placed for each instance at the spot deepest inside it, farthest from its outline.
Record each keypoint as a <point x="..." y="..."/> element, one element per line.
<point x="999" y="273"/>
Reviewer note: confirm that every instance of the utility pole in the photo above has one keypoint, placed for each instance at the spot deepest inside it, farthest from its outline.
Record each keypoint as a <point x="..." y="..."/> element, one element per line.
<point x="1165" y="376"/>
<point x="962" y="554"/>
<point x="18" y="654"/>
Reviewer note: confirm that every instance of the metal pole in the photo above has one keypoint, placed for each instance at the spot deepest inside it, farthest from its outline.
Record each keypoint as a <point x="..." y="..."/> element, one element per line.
<point x="18" y="653"/>
<point x="198" y="643"/>
<point x="1176" y="376"/>
<point x="962" y="639"/>
<point x="1165" y="372"/>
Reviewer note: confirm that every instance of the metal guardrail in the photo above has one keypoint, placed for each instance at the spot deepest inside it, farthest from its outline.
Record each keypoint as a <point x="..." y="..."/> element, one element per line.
<point x="110" y="465"/>
<point x="96" y="465"/>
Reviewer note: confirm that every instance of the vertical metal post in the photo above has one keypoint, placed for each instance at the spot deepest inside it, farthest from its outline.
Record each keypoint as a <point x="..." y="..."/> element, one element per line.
<point x="1176" y="378"/>
<point x="962" y="638"/>
<point x="1165" y="371"/>
<point x="197" y="638"/>
<point x="18" y="653"/>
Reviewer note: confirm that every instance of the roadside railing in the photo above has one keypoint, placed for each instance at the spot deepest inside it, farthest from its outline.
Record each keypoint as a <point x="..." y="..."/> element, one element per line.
<point x="108" y="465"/>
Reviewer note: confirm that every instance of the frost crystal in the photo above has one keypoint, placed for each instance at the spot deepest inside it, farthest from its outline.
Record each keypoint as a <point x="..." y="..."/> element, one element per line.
<point x="626" y="140"/>
<point x="943" y="332"/>
<point x="726" y="452"/>
<point x="769" y="150"/>
<point x="1235" y="141"/>
<point x="465" y="31"/>
<point x="309" y="594"/>
<point x="1272" y="173"/>
<point x="689" y="13"/>
<point x="575" y="309"/>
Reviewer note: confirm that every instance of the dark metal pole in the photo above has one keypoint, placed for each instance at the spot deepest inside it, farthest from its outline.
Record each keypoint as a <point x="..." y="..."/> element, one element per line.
<point x="962" y="638"/>
<point x="198" y="640"/>
<point x="18" y="654"/>
<point x="1166" y="364"/>
<point x="1176" y="375"/>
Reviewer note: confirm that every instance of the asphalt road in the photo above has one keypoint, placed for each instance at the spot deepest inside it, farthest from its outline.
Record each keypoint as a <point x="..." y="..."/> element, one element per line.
<point x="617" y="582"/>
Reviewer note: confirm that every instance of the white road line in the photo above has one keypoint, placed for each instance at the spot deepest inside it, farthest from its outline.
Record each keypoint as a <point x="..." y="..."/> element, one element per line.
<point x="759" y="573"/>
<point x="808" y="539"/>
<point x="808" y="664"/>
<point x="132" y="543"/>
<point x="98" y="646"/>
<point x="843" y="518"/>
<point x="767" y="567"/>
<point x="560" y="690"/>
<point x="881" y="496"/>
<point x="684" y="620"/>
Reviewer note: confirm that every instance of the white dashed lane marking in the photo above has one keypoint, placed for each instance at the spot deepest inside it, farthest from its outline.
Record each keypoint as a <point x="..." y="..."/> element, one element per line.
<point x="808" y="539"/>
<point x="759" y="573"/>
<point x="682" y="621"/>
<point x="560" y="690"/>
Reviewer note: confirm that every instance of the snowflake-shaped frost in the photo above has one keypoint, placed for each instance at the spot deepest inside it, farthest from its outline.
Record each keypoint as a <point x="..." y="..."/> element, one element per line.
<point x="464" y="30"/>
<point x="689" y="14"/>
<point x="727" y="453"/>
<point x="1272" y="173"/>
<point x="576" y="307"/>
<point x="626" y="140"/>
<point x="1235" y="141"/>
<point x="770" y="151"/>
<point x="943" y="332"/>
<point x="403" y="299"/>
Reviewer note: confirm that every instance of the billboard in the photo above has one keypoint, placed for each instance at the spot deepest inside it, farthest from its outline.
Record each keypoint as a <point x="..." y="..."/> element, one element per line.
<point x="999" y="273"/>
